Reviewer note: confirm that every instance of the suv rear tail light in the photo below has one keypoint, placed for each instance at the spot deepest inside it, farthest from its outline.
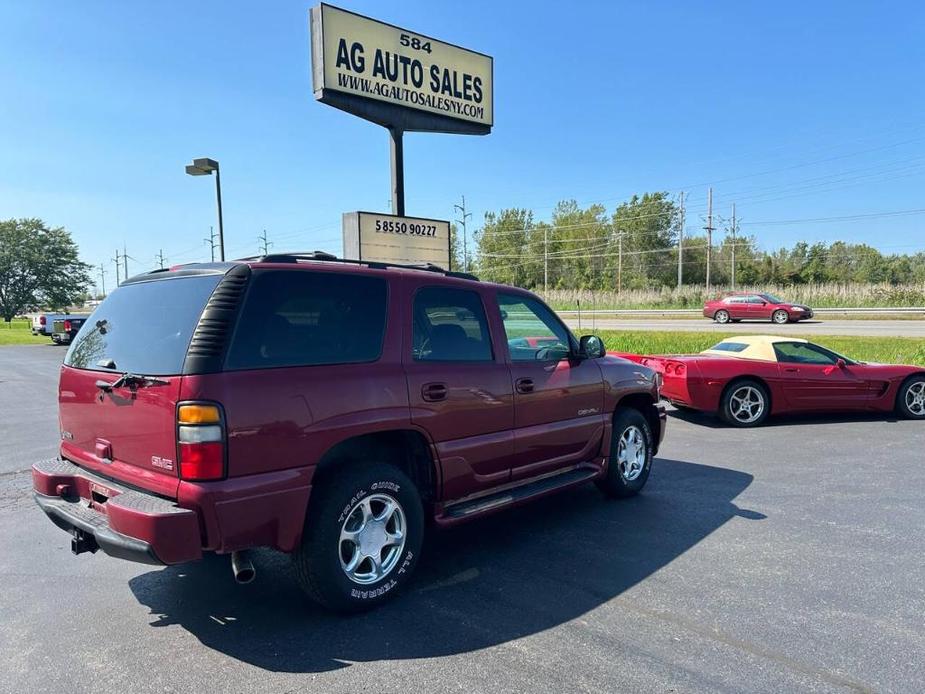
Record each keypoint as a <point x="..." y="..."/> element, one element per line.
<point x="67" y="326"/>
<point x="200" y="441"/>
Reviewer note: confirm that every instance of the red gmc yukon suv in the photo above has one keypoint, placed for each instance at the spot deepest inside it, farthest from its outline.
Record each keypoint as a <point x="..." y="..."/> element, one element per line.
<point x="329" y="409"/>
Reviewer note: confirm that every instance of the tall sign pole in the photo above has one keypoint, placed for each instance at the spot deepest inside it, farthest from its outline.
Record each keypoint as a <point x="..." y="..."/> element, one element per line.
<point x="397" y="148"/>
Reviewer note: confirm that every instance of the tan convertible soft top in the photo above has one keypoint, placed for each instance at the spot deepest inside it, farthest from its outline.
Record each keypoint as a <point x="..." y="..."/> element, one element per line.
<point x="760" y="347"/>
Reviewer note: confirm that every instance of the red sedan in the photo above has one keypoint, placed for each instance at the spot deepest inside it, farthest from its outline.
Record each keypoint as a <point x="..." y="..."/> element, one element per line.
<point x="745" y="379"/>
<point x="765" y="307"/>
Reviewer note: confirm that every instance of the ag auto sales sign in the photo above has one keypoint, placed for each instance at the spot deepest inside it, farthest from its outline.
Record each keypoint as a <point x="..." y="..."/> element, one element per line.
<point x="356" y="55"/>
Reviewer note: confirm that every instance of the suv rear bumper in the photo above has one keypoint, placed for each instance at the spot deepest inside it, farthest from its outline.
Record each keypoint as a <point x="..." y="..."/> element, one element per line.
<point x="122" y="522"/>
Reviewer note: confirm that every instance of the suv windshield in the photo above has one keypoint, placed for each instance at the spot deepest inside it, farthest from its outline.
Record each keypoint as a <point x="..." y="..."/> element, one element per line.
<point x="144" y="327"/>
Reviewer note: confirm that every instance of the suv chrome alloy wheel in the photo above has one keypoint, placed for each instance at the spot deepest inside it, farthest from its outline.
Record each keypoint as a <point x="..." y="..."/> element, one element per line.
<point x="915" y="399"/>
<point x="372" y="538"/>
<point x="746" y="404"/>
<point x="631" y="453"/>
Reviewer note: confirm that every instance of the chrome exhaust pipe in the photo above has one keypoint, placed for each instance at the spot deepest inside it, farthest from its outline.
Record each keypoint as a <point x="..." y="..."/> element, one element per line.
<point x="242" y="568"/>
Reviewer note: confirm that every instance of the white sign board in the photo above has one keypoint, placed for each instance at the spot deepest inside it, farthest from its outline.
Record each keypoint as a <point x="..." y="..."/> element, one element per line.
<point x="357" y="55"/>
<point x="391" y="239"/>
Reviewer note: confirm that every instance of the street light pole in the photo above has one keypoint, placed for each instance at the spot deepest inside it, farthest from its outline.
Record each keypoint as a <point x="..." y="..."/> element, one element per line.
<point x="221" y="227"/>
<point x="204" y="167"/>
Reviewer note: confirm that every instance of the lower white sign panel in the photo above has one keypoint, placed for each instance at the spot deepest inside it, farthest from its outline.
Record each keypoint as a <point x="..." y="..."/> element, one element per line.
<point x="391" y="239"/>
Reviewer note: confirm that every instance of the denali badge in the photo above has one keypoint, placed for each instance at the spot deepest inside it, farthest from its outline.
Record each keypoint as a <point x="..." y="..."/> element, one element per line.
<point x="163" y="463"/>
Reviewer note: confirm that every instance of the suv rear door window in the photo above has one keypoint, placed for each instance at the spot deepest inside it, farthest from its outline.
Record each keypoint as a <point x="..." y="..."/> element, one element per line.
<point x="305" y="318"/>
<point x="450" y="325"/>
<point x="143" y="327"/>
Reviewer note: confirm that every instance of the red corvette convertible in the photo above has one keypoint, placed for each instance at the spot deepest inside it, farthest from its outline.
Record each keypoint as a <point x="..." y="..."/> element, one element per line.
<point x="745" y="379"/>
<point x="765" y="307"/>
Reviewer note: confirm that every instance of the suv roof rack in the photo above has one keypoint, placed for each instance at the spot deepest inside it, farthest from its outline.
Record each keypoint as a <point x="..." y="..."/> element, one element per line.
<point x="331" y="258"/>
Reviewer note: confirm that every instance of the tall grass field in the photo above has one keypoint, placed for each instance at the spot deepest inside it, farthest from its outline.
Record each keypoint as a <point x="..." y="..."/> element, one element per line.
<point x="814" y="295"/>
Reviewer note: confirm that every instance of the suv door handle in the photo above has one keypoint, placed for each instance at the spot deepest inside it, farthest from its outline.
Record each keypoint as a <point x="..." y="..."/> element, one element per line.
<point x="524" y="385"/>
<point x="433" y="392"/>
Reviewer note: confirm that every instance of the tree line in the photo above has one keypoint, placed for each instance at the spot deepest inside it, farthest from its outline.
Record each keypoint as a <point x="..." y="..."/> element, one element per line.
<point x="636" y="247"/>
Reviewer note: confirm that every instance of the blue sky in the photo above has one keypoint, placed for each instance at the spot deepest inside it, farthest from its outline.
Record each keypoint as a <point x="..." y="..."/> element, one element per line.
<point x="793" y="110"/>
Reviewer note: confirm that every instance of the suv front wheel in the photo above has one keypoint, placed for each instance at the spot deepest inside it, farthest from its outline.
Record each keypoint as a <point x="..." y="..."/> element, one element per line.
<point x="630" y="455"/>
<point x="362" y="537"/>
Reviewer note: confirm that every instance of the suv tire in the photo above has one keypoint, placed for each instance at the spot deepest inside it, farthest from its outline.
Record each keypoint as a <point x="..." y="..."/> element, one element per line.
<point x="630" y="459"/>
<point x="362" y="511"/>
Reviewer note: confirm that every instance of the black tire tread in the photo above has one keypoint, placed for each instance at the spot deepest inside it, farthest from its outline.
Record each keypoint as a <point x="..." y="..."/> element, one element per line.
<point x="724" y="411"/>
<point x="612" y="485"/>
<point x="327" y="499"/>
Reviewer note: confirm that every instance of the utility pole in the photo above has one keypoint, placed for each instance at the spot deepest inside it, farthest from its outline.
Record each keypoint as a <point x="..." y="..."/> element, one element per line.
<point x="681" y="240"/>
<point x="733" y="246"/>
<point x="211" y="242"/>
<point x="709" y="230"/>
<point x="264" y="244"/>
<point x="125" y="260"/>
<point x="116" y="261"/>
<point x="545" y="261"/>
<point x="619" y="261"/>
<point x="103" y="279"/>
<point x="161" y="260"/>
<point x="462" y="222"/>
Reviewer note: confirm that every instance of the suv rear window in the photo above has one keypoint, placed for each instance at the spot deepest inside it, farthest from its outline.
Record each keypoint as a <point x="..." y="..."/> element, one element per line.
<point x="305" y="318"/>
<point x="144" y="328"/>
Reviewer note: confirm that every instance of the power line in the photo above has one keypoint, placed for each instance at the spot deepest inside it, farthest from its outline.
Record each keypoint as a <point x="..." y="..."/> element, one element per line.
<point x="845" y="218"/>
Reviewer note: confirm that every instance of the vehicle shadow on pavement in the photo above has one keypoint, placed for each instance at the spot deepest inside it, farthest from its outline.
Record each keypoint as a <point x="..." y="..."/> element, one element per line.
<point x="494" y="580"/>
<point x="714" y="422"/>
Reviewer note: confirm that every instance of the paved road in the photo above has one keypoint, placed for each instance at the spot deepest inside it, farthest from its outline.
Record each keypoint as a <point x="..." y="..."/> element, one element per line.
<point x="783" y="559"/>
<point x="881" y="328"/>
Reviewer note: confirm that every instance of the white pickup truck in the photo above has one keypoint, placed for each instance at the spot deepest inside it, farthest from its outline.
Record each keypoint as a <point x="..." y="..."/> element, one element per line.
<point x="60" y="327"/>
<point x="43" y="323"/>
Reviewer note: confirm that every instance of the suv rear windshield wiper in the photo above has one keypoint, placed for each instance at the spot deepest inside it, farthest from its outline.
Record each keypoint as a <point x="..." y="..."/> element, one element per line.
<point x="132" y="381"/>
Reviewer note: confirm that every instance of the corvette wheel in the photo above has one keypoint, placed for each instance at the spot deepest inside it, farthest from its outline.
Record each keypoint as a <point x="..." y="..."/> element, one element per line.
<point x="911" y="398"/>
<point x="721" y="316"/>
<point x="780" y="317"/>
<point x="745" y="404"/>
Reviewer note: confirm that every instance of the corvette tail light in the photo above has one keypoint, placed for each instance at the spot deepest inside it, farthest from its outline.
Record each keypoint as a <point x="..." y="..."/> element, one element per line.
<point x="200" y="441"/>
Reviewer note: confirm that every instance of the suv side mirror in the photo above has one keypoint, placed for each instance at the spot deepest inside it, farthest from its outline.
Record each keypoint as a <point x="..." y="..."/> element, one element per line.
<point x="590" y="347"/>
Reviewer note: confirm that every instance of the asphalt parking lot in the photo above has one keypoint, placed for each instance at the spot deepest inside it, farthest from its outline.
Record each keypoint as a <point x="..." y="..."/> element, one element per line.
<point x="788" y="558"/>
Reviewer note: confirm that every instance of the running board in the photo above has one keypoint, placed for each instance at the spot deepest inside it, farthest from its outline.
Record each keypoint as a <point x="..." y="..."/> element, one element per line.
<point x="464" y="509"/>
